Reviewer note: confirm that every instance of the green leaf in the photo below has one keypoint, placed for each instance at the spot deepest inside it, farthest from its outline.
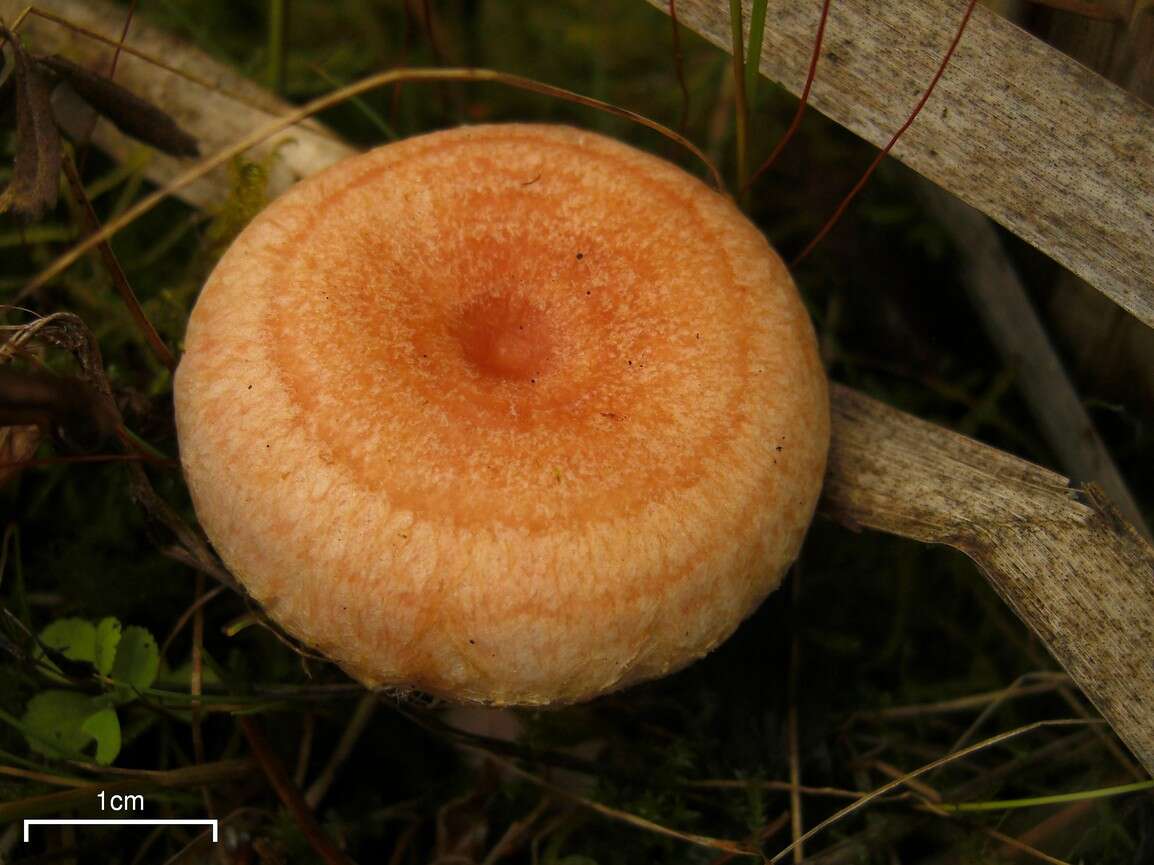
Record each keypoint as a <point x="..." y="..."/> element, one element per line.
<point x="65" y="723"/>
<point x="137" y="659"/>
<point x="73" y="638"/>
<point x="104" y="727"/>
<point x="54" y="721"/>
<point x="108" y="632"/>
<point x="753" y="53"/>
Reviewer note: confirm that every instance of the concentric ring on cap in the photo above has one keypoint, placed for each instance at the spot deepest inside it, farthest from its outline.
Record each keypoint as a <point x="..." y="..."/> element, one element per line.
<point x="512" y="414"/>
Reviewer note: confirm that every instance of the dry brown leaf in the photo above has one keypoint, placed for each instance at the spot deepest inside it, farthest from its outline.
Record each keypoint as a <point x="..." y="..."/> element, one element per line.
<point x="35" y="182"/>
<point x="17" y="444"/>
<point x="1039" y="143"/>
<point x="127" y="111"/>
<point x="209" y="99"/>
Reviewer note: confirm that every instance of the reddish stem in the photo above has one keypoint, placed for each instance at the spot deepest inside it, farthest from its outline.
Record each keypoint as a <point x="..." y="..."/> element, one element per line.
<point x="290" y="794"/>
<point x="796" y="122"/>
<point x="402" y="61"/>
<point x="112" y="265"/>
<point x="845" y="203"/>
<point x="679" y="66"/>
<point x="82" y="149"/>
<point x="123" y="36"/>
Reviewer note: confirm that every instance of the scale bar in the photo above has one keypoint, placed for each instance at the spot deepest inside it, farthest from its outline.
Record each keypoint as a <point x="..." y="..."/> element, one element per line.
<point x="126" y="822"/>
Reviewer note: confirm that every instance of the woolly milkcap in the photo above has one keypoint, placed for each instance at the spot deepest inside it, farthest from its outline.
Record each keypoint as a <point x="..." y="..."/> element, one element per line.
<point x="511" y="414"/>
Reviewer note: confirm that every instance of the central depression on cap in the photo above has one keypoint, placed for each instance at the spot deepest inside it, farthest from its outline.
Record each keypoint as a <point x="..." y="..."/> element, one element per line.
<point x="509" y="414"/>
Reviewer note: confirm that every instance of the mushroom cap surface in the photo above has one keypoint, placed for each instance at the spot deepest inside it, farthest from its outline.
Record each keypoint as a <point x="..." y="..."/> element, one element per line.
<point x="511" y="414"/>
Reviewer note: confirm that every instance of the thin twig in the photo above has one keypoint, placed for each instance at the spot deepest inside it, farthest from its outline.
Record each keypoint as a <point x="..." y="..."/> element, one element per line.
<point x="746" y="785"/>
<point x="305" y="749"/>
<point x="95" y="116"/>
<point x="679" y="67"/>
<point x="988" y="712"/>
<point x="290" y="795"/>
<point x="508" y="842"/>
<point x="80" y="459"/>
<point x="920" y="788"/>
<point x="758" y="838"/>
<point x="796" y="823"/>
<point x="372" y="82"/>
<point x="1052" y="681"/>
<point x="803" y="101"/>
<point x="196" y="680"/>
<point x="845" y="202"/>
<point x="891" y="831"/>
<point x="186" y="616"/>
<point x="133" y="782"/>
<point x="112" y="266"/>
<point x="348" y="741"/>
<point x="427" y="19"/>
<point x="898" y="782"/>
<point x="623" y="816"/>
<point x="1095" y="11"/>
<point x="196" y="687"/>
<point x="128" y="16"/>
<point x="43" y="777"/>
<point x="1000" y="837"/>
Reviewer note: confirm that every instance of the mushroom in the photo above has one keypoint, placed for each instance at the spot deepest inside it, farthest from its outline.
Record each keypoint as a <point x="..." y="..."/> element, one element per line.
<point x="510" y="414"/>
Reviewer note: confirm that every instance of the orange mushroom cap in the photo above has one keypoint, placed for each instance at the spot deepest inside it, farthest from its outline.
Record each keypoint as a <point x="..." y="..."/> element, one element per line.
<point x="509" y="414"/>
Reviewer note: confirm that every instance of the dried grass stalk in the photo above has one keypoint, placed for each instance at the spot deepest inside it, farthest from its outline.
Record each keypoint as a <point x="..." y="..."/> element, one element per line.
<point x="210" y="100"/>
<point x="1070" y="566"/>
<point x="1036" y="141"/>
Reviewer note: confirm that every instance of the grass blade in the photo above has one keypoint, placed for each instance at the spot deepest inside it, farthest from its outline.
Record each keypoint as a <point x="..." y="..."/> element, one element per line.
<point x="741" y="107"/>
<point x="753" y="54"/>
<point x="1057" y="799"/>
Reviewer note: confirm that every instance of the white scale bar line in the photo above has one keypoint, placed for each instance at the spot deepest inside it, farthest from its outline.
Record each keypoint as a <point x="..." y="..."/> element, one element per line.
<point x="213" y="823"/>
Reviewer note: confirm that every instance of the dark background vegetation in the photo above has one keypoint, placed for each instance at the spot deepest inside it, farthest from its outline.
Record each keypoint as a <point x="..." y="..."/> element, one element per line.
<point x="873" y="623"/>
